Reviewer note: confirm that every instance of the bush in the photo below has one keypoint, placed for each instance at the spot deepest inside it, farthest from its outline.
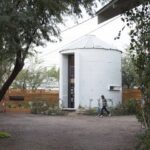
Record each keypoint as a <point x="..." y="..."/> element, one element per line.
<point x="23" y="105"/>
<point x="38" y="107"/>
<point x="127" y="108"/>
<point x="14" y="104"/>
<point x="43" y="107"/>
<point x="91" y="111"/>
<point x="131" y="107"/>
<point x="144" y="141"/>
<point x="4" y="135"/>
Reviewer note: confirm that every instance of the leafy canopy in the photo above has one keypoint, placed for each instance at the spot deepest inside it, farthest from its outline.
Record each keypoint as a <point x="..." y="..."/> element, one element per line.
<point x="129" y="76"/>
<point x="28" y="23"/>
<point x="25" y="23"/>
<point x="138" y="19"/>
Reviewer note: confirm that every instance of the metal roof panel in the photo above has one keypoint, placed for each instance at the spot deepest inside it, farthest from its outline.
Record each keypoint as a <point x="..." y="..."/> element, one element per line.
<point x="88" y="42"/>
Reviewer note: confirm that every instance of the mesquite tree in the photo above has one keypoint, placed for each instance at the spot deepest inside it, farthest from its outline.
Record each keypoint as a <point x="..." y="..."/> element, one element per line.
<point x="138" y="19"/>
<point x="28" y="23"/>
<point x="129" y="76"/>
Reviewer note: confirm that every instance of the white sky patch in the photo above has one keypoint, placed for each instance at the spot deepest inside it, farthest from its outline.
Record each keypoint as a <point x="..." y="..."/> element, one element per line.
<point x="109" y="30"/>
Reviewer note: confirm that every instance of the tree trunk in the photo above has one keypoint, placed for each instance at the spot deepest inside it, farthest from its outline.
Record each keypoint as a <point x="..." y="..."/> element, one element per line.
<point x="17" y="68"/>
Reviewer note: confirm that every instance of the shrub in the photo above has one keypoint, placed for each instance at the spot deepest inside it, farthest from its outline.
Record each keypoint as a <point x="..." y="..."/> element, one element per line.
<point x="127" y="108"/>
<point x="4" y="135"/>
<point x="131" y="107"/>
<point x="17" y="104"/>
<point x="91" y="111"/>
<point x="43" y="107"/>
<point x="144" y="141"/>
<point x="10" y="105"/>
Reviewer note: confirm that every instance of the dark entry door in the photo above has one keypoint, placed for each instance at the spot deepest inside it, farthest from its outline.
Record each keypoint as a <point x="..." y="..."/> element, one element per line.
<point x="71" y="81"/>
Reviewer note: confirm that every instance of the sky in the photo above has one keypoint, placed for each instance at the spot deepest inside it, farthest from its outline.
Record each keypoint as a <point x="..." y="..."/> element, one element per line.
<point x="106" y="32"/>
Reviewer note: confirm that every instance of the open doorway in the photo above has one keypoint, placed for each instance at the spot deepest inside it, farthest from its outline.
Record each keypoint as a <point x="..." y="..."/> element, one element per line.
<point x="71" y="81"/>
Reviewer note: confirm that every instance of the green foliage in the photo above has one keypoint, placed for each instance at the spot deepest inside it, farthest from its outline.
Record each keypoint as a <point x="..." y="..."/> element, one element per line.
<point x="144" y="141"/>
<point x="31" y="21"/>
<point x="30" y="77"/>
<point x="53" y="72"/>
<point x="25" y="24"/>
<point x="38" y="107"/>
<point x="140" y="116"/>
<point x="129" y="76"/>
<point x="127" y="108"/>
<point x="138" y="19"/>
<point x="43" y="107"/>
<point x="23" y="104"/>
<point x="34" y="75"/>
<point x="4" y="135"/>
<point x="91" y="111"/>
<point x="5" y="69"/>
<point x="131" y="107"/>
<point x="20" y="81"/>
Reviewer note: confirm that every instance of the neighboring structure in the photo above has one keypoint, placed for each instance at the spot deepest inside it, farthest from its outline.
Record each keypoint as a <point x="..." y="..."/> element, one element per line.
<point x="116" y="7"/>
<point x="50" y="84"/>
<point x="89" y="68"/>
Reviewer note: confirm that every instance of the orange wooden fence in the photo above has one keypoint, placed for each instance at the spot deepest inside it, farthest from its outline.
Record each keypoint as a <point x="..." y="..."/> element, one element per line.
<point x="128" y="94"/>
<point x="52" y="97"/>
<point x="33" y="95"/>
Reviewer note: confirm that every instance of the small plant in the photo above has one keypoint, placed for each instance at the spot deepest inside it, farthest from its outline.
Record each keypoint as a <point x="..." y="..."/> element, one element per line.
<point x="127" y="108"/>
<point x="91" y="111"/>
<point x="19" y="105"/>
<point x="4" y="135"/>
<point x="15" y="104"/>
<point x="131" y="107"/>
<point x="80" y="107"/>
<point x="38" y="107"/>
<point x="43" y="107"/>
<point x="9" y="105"/>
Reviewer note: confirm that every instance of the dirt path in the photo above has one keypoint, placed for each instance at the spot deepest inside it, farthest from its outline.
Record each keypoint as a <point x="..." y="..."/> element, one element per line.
<point x="34" y="132"/>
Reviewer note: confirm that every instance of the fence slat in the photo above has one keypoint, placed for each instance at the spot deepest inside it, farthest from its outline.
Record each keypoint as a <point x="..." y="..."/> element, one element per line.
<point x="128" y="94"/>
<point x="31" y="95"/>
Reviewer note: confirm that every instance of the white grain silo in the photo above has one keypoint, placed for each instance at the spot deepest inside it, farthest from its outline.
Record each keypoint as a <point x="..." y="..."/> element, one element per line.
<point x="89" y="68"/>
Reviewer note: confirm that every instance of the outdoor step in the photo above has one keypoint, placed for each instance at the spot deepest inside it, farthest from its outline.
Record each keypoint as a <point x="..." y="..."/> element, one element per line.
<point x="69" y="109"/>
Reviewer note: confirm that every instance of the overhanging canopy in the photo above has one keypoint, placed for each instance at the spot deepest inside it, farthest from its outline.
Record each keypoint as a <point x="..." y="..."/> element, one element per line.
<point x="116" y="7"/>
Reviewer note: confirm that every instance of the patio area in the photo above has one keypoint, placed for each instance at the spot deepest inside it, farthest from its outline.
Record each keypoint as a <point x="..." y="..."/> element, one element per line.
<point x="37" y="132"/>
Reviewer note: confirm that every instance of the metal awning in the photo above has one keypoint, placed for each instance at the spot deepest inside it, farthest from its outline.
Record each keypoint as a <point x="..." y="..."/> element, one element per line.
<point x="116" y="7"/>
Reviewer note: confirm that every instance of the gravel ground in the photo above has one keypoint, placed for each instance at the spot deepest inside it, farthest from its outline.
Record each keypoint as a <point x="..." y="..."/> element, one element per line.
<point x="36" y="132"/>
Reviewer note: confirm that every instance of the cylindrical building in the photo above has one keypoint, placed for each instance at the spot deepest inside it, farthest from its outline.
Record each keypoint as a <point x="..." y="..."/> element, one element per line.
<point x="89" y="68"/>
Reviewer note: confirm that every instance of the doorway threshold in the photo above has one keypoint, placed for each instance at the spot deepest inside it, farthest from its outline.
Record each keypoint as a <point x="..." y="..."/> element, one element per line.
<point x="69" y="109"/>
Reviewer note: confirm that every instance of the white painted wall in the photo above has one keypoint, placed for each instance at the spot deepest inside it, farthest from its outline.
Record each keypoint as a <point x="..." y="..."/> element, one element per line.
<point x="63" y="90"/>
<point x="76" y="77"/>
<point x="98" y="70"/>
<point x="95" y="71"/>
